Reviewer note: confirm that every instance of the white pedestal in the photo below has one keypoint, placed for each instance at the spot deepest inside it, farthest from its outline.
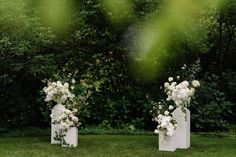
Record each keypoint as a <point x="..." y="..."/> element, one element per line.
<point x="167" y="143"/>
<point x="71" y="138"/>
<point x="182" y="134"/>
<point x="57" y="110"/>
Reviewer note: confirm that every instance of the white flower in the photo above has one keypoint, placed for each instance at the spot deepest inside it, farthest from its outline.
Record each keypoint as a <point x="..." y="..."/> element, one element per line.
<point x="63" y="98"/>
<point x="68" y="112"/>
<point x="71" y="124"/>
<point x="66" y="85"/>
<point x="73" y="81"/>
<point x="72" y="87"/>
<point x="64" y="125"/>
<point x="195" y="83"/>
<point x="67" y="121"/>
<point x="183" y="67"/>
<point x="170" y="79"/>
<point x="160" y="107"/>
<point x="173" y="84"/>
<point x="63" y="116"/>
<point x="75" y="119"/>
<point x="166" y="113"/>
<point x="156" y="119"/>
<point x="170" y="107"/>
<point x="193" y="91"/>
<point x="54" y="84"/>
<point x="75" y="110"/>
<point x="156" y="131"/>
<point x="172" y="87"/>
<point x="166" y="84"/>
<point x="178" y="77"/>
<point x="52" y="116"/>
<point x="59" y="84"/>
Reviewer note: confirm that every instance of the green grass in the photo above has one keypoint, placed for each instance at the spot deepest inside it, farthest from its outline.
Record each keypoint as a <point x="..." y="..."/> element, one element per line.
<point x="114" y="146"/>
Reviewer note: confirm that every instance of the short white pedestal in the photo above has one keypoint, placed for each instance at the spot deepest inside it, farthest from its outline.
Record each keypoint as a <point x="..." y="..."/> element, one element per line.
<point x="167" y="143"/>
<point x="57" y="110"/>
<point x="182" y="135"/>
<point x="71" y="138"/>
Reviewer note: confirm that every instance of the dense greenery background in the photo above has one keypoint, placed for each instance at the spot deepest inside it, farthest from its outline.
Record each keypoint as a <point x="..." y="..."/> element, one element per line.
<point x="32" y="50"/>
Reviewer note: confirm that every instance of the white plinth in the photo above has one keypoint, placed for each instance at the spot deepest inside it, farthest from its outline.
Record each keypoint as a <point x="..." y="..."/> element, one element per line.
<point x="182" y="135"/>
<point x="57" y="110"/>
<point x="167" y="143"/>
<point x="71" y="138"/>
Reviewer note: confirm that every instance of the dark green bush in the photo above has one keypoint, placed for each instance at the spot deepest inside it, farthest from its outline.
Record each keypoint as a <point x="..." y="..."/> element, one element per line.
<point x="31" y="50"/>
<point x="210" y="107"/>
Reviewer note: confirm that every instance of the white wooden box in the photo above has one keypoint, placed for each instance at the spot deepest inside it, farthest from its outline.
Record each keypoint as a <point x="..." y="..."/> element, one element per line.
<point x="182" y="135"/>
<point x="167" y="143"/>
<point x="57" y="110"/>
<point x="71" y="137"/>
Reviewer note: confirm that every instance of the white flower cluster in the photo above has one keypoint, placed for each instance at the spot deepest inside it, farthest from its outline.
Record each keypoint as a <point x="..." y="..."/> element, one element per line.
<point x="58" y="92"/>
<point x="68" y="119"/>
<point x="166" y="124"/>
<point x="180" y="93"/>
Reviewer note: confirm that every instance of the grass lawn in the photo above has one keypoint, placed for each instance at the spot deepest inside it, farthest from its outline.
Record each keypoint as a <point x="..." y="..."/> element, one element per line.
<point x="114" y="146"/>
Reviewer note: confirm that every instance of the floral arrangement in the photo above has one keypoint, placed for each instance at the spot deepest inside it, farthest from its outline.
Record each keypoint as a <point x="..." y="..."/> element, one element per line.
<point x="61" y="94"/>
<point x="178" y="94"/>
<point x="68" y="119"/>
<point x="57" y="92"/>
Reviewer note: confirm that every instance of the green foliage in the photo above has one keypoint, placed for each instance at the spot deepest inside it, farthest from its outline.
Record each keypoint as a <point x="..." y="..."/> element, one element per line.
<point x="32" y="49"/>
<point x="210" y="108"/>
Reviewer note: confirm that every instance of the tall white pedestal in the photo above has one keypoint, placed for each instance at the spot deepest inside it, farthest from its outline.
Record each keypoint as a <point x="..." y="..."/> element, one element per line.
<point x="167" y="143"/>
<point x="182" y="135"/>
<point x="71" y="137"/>
<point x="57" y="110"/>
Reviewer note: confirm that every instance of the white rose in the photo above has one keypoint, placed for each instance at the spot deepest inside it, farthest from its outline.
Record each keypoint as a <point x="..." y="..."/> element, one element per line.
<point x="63" y="98"/>
<point x="156" y="119"/>
<point x="59" y="83"/>
<point x="166" y="84"/>
<point x="66" y="85"/>
<point x="170" y="107"/>
<point x="195" y="83"/>
<point x="63" y="116"/>
<point x="67" y="121"/>
<point x="73" y="81"/>
<point x="75" y="119"/>
<point x="156" y="131"/>
<point x="52" y="116"/>
<point x="170" y="79"/>
<point x="75" y="110"/>
<point x="166" y="113"/>
<point x="68" y="112"/>
<point x="54" y="84"/>
<point x="71" y="124"/>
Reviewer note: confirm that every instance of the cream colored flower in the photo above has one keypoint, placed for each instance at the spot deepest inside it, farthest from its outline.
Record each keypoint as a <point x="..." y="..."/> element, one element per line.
<point x="73" y="81"/>
<point x="195" y="83"/>
<point x="170" y="79"/>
